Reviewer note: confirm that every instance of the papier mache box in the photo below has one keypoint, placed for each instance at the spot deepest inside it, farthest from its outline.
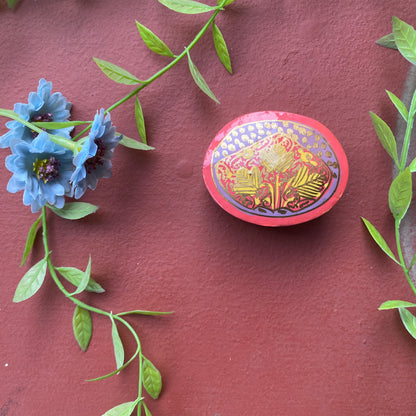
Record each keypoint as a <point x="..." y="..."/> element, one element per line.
<point x="275" y="168"/>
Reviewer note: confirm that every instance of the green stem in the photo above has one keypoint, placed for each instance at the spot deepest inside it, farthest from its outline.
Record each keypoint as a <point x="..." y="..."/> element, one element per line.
<point x="406" y="141"/>
<point x="158" y="74"/>
<point x="401" y="257"/>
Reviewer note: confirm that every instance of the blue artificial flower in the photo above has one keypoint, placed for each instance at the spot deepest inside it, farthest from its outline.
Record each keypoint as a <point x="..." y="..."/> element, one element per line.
<point x="41" y="169"/>
<point x="42" y="106"/>
<point x="93" y="161"/>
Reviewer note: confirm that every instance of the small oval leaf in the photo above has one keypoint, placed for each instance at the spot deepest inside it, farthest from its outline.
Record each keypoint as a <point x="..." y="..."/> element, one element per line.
<point x="199" y="80"/>
<point x="153" y="42"/>
<point x="399" y="105"/>
<point x="74" y="210"/>
<point x="117" y="73"/>
<point x="394" y="304"/>
<point x="30" y="239"/>
<point x="134" y="144"/>
<point x="152" y="380"/>
<point x="31" y="281"/>
<point x="82" y="326"/>
<point x="75" y="276"/>
<point x="221" y="48"/>
<point x="117" y="344"/>
<point x="187" y="6"/>
<point x="409" y="321"/>
<point x="385" y="135"/>
<point x="400" y="194"/>
<point x="405" y="38"/>
<point x="138" y="114"/>
<point x="84" y="280"/>
<point x="124" y="409"/>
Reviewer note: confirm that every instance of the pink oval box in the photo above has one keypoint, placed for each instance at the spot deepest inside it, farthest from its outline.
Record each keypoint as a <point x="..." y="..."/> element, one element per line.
<point x="275" y="169"/>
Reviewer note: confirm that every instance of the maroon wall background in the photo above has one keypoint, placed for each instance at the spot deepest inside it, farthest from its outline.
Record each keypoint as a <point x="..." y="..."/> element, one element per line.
<point x="267" y="321"/>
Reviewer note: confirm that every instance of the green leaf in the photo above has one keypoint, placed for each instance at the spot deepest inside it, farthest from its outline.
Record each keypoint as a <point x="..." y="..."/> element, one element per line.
<point x="153" y="42"/>
<point x="12" y="3"/>
<point x="31" y="281"/>
<point x="412" y="263"/>
<point x="152" y="380"/>
<point x="141" y="312"/>
<point x="400" y="194"/>
<point x="146" y="410"/>
<point x="387" y="41"/>
<point x="116" y="73"/>
<point x="226" y="3"/>
<point x="394" y="304"/>
<point x="409" y="321"/>
<point x="82" y="326"/>
<point x="56" y="125"/>
<point x="221" y="48"/>
<point x="379" y="239"/>
<point x="405" y="38"/>
<point x="385" y="135"/>
<point x="412" y="165"/>
<point x="124" y="409"/>
<point x="134" y="144"/>
<point x="187" y="6"/>
<point x="84" y="280"/>
<point x="138" y="115"/>
<point x="117" y="344"/>
<point x="199" y="80"/>
<point x="399" y="105"/>
<point x="74" y="210"/>
<point x="75" y="276"/>
<point x="30" y="239"/>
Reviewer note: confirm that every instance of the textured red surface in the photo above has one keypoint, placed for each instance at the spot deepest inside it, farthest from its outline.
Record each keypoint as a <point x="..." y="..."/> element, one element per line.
<point x="267" y="321"/>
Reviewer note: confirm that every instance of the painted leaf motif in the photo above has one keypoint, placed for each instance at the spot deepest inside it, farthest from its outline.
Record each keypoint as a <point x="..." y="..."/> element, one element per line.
<point x="199" y="80"/>
<point x="400" y="194"/>
<point x="117" y="344"/>
<point x="134" y="144"/>
<point x="187" y="6"/>
<point x="152" y="380"/>
<point x="138" y="114"/>
<point x="306" y="185"/>
<point x="387" y="41"/>
<point x="399" y="105"/>
<point x="379" y="239"/>
<point x="124" y="409"/>
<point x="75" y="276"/>
<point x="409" y="321"/>
<point x="82" y="326"/>
<point x="153" y="42"/>
<point x="405" y="38"/>
<point x="221" y="48"/>
<point x="30" y="239"/>
<point x="116" y="73"/>
<point x="394" y="304"/>
<point x="385" y="135"/>
<point x="31" y="281"/>
<point x="74" y="210"/>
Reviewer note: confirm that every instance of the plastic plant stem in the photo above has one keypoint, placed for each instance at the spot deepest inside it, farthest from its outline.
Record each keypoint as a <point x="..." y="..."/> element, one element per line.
<point x="158" y="74"/>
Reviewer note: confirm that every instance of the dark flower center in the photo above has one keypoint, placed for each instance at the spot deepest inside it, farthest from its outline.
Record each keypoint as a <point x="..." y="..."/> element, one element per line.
<point x="97" y="160"/>
<point x="46" y="169"/>
<point x="43" y="118"/>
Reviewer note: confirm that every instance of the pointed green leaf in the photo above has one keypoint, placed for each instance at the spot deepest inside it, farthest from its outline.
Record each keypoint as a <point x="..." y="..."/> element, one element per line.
<point x="412" y="165"/>
<point x="152" y="380"/>
<point x="82" y="326"/>
<point x="379" y="239"/>
<point x="74" y="210"/>
<point x="227" y="2"/>
<point x="84" y="280"/>
<point x="12" y="3"/>
<point x="399" y="105"/>
<point x="199" y="80"/>
<point x="56" y="125"/>
<point x="387" y="41"/>
<point x="412" y="263"/>
<point x="409" y="321"/>
<point x="221" y="47"/>
<point x="138" y="114"/>
<point x="31" y="281"/>
<point x="116" y="73"/>
<point x="400" y="194"/>
<point x="146" y="410"/>
<point x="187" y="6"/>
<point x="394" y="304"/>
<point x="117" y="344"/>
<point x="141" y="312"/>
<point x="405" y="38"/>
<point x="385" y="135"/>
<point x="124" y="409"/>
<point x="153" y="42"/>
<point x="134" y="144"/>
<point x="75" y="276"/>
<point x="30" y="240"/>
